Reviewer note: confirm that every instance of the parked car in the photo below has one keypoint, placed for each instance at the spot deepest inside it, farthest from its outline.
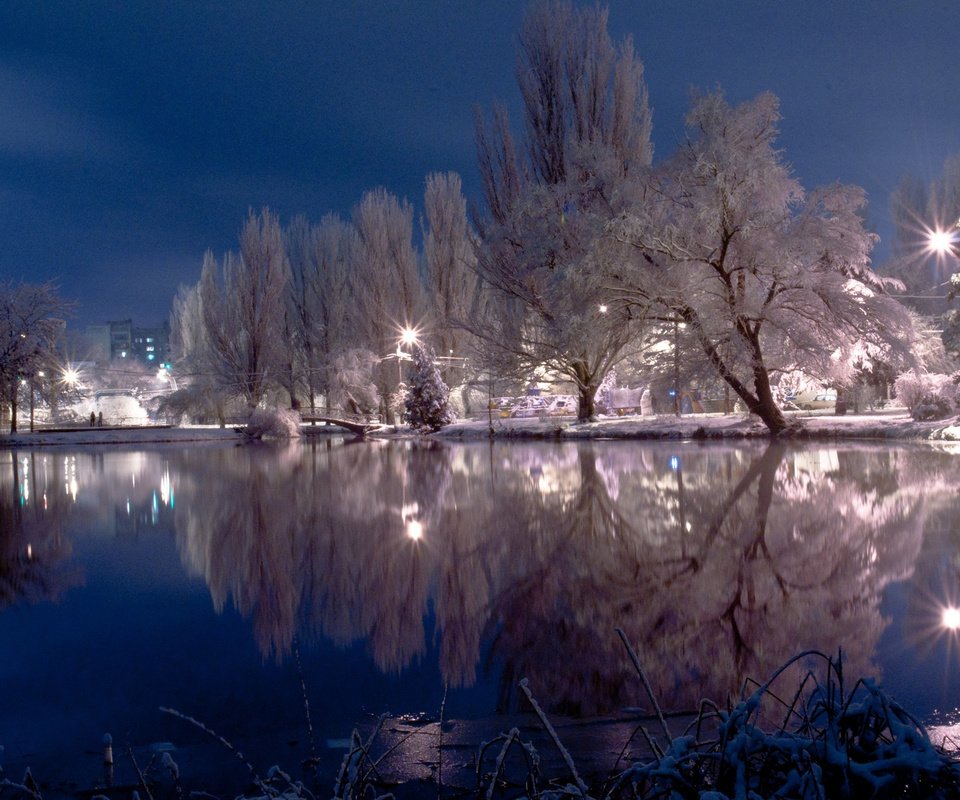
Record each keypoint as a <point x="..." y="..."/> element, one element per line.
<point x="811" y="401"/>
<point x="562" y="405"/>
<point x="530" y="406"/>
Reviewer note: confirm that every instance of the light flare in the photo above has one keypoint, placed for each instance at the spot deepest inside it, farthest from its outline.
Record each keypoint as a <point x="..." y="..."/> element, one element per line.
<point x="941" y="241"/>
<point x="951" y="618"/>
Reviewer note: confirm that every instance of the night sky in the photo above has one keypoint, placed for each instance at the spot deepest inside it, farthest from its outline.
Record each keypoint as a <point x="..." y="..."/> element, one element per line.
<point x="135" y="135"/>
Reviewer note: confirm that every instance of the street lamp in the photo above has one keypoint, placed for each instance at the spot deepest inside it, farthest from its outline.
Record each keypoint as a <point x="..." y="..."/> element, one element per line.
<point x="70" y="377"/>
<point x="942" y="241"/>
<point x="33" y="376"/>
<point x="408" y="337"/>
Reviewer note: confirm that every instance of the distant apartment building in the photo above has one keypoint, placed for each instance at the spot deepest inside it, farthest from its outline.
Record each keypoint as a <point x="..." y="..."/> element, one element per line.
<point x="122" y="340"/>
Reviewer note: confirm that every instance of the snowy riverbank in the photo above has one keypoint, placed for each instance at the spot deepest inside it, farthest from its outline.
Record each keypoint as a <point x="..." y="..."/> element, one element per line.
<point x="890" y="424"/>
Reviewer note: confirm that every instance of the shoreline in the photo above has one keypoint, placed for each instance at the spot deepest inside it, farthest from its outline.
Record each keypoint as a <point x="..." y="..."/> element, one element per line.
<point x="885" y="426"/>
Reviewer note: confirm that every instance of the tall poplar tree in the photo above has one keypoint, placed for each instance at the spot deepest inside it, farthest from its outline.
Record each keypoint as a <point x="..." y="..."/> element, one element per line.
<point x="585" y="145"/>
<point x="243" y="307"/>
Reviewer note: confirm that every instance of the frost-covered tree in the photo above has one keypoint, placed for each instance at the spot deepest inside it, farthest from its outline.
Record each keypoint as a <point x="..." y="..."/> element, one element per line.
<point x="32" y="320"/>
<point x="320" y="261"/>
<point x="351" y="382"/>
<point x="450" y="261"/>
<point x="586" y="143"/>
<point x="242" y="304"/>
<point x="200" y="395"/>
<point x="764" y="276"/>
<point x="386" y="286"/>
<point x="427" y="405"/>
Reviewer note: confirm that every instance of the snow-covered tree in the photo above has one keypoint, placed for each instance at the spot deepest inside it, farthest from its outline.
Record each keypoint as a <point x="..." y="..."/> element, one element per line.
<point x="243" y="305"/>
<point x="450" y="261"/>
<point x="427" y="402"/>
<point x="387" y="290"/>
<point x="765" y="277"/>
<point x="319" y="293"/>
<point x="351" y="382"/>
<point x="321" y="258"/>
<point x="586" y="143"/>
<point x="201" y="396"/>
<point x="32" y="320"/>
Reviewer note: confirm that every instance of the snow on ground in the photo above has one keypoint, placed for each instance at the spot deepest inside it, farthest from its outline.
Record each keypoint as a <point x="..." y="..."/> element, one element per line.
<point x="122" y="435"/>
<point x="892" y="423"/>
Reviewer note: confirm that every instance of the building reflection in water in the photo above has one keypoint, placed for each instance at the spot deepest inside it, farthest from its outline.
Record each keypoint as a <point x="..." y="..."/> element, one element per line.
<point x="719" y="563"/>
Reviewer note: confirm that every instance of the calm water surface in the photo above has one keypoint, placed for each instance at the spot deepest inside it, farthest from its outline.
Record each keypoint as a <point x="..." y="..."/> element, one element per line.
<point x="210" y="580"/>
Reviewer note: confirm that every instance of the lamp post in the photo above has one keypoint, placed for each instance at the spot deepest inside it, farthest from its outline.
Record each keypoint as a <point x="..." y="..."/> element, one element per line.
<point x="30" y="386"/>
<point x="32" y="376"/>
<point x="677" y="408"/>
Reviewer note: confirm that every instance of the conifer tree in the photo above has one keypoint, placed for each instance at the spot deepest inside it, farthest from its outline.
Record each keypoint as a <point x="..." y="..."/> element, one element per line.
<point x="427" y="403"/>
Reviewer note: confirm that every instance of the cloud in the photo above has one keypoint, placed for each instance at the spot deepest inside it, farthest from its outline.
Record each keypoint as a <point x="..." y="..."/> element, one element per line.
<point x="42" y="116"/>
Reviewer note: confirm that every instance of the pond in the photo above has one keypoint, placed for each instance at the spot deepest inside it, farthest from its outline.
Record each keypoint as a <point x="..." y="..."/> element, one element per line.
<point x="235" y="583"/>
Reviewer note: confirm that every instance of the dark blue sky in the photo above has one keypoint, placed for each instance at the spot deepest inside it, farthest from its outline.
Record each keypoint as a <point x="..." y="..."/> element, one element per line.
<point x="134" y="135"/>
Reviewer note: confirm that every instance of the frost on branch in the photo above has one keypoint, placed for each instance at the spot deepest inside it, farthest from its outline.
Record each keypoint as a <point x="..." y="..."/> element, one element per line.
<point x="427" y="404"/>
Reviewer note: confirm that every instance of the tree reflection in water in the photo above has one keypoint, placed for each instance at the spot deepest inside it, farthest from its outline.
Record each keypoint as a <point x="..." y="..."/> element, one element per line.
<point x="718" y="563"/>
<point x="35" y="499"/>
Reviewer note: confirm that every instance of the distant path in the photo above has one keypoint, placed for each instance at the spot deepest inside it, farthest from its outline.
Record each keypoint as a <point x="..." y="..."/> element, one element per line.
<point x="360" y="428"/>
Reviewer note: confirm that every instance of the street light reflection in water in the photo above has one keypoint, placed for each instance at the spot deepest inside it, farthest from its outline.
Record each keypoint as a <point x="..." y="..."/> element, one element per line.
<point x="759" y="552"/>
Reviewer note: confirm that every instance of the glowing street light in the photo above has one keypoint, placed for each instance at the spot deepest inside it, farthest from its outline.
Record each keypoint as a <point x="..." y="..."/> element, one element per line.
<point x="408" y="336"/>
<point x="70" y="377"/>
<point x="951" y="618"/>
<point x="603" y="308"/>
<point x="941" y="242"/>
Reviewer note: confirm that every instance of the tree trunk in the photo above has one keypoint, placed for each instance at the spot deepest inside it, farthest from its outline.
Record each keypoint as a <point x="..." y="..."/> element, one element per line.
<point x="586" y="392"/>
<point x="13" y="410"/>
<point x="768" y="410"/>
<point x="586" y="405"/>
<point x="760" y="401"/>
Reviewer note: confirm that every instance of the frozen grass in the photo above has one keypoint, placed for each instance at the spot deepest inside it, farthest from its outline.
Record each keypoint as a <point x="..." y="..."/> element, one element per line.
<point x="823" y="740"/>
<point x="816" y="739"/>
<point x="803" y="734"/>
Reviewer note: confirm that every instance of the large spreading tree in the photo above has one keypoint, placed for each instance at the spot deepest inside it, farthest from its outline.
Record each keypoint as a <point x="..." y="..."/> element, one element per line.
<point x="766" y="278"/>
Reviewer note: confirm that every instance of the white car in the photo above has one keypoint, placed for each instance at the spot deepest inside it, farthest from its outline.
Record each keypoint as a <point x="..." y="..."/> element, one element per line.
<point x="811" y="401"/>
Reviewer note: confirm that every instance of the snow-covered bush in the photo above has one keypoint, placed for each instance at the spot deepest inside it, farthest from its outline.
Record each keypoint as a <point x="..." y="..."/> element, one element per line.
<point x="932" y="406"/>
<point x="273" y="423"/>
<point x="427" y="403"/>
<point x="927" y="395"/>
<point x="821" y="740"/>
<point x="467" y="400"/>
